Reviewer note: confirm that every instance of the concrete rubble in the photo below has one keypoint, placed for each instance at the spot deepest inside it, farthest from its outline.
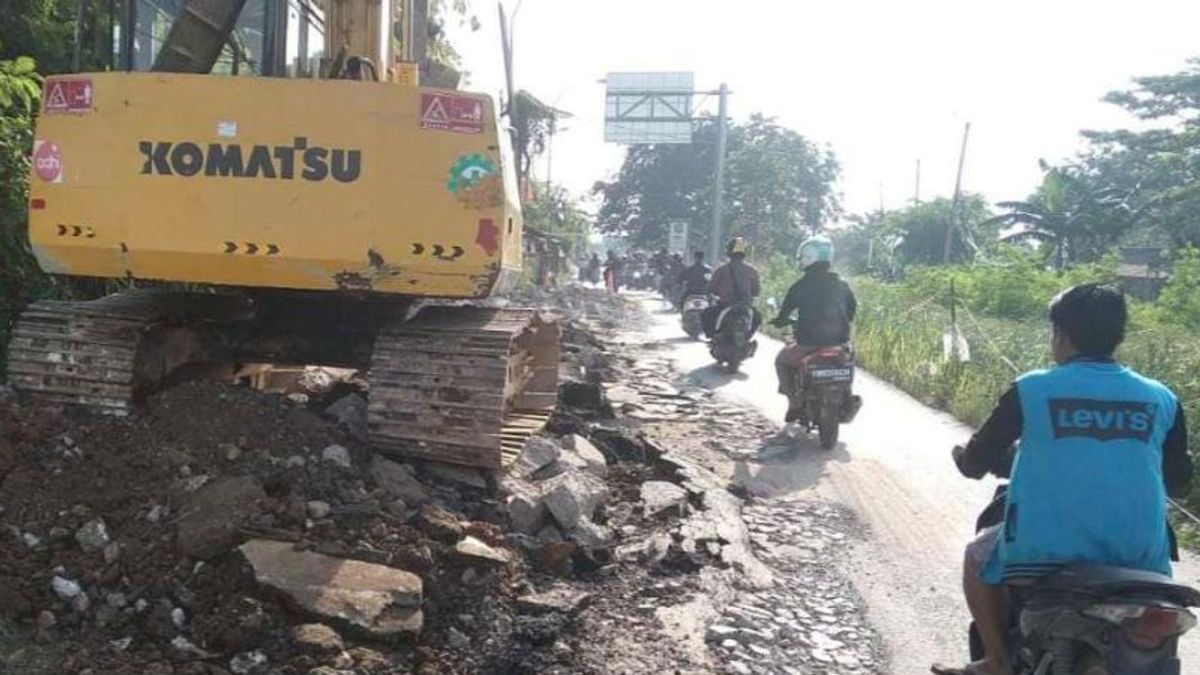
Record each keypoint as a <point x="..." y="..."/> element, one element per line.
<point x="398" y="480"/>
<point x="539" y="452"/>
<point x="573" y="496"/>
<point x="378" y="599"/>
<point x="659" y="496"/>
<point x="562" y="600"/>
<point x="475" y="550"/>
<point x="350" y="414"/>
<point x="212" y="517"/>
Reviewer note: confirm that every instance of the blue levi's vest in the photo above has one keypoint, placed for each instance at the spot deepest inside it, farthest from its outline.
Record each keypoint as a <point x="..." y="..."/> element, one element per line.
<point x="1087" y="484"/>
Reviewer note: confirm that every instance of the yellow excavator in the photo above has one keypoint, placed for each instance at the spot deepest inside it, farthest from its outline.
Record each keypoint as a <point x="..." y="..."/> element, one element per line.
<point x="277" y="188"/>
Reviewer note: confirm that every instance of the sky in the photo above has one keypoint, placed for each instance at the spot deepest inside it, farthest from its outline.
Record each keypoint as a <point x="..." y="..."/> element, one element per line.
<point x="881" y="83"/>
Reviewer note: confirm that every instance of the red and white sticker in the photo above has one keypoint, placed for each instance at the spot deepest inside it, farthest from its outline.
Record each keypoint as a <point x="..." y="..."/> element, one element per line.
<point x="47" y="161"/>
<point x="68" y="96"/>
<point x="446" y="112"/>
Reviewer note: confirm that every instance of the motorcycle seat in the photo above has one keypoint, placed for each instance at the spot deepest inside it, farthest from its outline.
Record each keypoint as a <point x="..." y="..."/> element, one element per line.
<point x="1102" y="582"/>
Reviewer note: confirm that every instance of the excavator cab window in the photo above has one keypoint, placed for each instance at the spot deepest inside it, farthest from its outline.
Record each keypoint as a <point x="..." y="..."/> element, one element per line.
<point x="281" y="38"/>
<point x="305" y="39"/>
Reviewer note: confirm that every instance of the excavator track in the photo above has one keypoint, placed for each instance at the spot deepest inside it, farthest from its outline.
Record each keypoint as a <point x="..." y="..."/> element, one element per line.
<point x="82" y="353"/>
<point x="463" y="385"/>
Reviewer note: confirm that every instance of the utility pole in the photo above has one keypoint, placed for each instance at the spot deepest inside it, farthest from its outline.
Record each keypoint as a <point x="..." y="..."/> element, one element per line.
<point x="507" y="46"/>
<point x="917" y="189"/>
<point x="550" y="152"/>
<point x="714" y="235"/>
<point x="516" y="126"/>
<point x="951" y="226"/>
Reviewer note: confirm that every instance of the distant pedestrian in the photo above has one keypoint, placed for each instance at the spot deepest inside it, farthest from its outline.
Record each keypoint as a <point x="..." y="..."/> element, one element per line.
<point x="612" y="273"/>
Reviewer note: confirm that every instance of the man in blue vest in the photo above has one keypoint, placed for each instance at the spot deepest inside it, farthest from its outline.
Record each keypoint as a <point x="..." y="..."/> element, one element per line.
<point x="1101" y="447"/>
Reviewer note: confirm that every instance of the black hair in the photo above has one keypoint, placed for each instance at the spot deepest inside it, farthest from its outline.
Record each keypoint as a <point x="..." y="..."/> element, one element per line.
<point x="698" y="255"/>
<point x="1092" y="316"/>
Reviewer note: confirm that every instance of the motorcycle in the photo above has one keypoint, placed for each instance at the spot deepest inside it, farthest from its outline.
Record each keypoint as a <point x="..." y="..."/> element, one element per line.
<point x="732" y="341"/>
<point x="823" y="394"/>
<point x="694" y="307"/>
<point x="1092" y="620"/>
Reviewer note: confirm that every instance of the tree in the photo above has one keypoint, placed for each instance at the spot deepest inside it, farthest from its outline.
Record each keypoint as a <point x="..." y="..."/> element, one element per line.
<point x="1159" y="166"/>
<point x="1077" y="218"/>
<point x="555" y="211"/>
<point x="914" y="235"/>
<point x="533" y="122"/>
<point x="44" y="30"/>
<point x="780" y="187"/>
<point x="921" y="230"/>
<point x="20" y="278"/>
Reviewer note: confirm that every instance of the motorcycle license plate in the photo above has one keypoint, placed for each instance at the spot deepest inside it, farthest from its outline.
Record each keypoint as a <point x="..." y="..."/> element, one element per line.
<point x="832" y="374"/>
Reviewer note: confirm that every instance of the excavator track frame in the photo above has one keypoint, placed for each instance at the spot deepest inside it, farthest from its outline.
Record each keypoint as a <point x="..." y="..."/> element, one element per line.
<point x="103" y="354"/>
<point x="463" y="385"/>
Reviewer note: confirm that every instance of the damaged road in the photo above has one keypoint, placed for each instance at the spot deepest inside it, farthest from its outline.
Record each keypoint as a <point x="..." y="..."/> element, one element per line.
<point x="777" y="597"/>
<point x="224" y="530"/>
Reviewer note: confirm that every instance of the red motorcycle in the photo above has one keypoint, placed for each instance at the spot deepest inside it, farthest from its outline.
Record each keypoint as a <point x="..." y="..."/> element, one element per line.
<point x="823" y="389"/>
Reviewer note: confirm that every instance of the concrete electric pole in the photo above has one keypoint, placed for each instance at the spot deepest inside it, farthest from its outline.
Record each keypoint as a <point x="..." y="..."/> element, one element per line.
<point x="714" y="235"/>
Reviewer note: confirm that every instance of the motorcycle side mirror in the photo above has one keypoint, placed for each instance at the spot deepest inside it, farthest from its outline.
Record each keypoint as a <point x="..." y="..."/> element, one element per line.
<point x="772" y="303"/>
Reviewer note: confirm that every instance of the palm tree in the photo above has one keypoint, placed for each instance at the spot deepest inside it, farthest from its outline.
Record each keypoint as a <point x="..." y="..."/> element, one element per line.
<point x="1069" y="215"/>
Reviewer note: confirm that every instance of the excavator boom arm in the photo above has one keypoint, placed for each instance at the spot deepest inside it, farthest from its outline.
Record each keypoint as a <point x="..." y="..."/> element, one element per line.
<point x="197" y="36"/>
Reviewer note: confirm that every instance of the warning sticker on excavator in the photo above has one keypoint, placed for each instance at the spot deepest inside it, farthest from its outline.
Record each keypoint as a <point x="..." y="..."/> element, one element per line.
<point x="68" y="96"/>
<point x="445" y="112"/>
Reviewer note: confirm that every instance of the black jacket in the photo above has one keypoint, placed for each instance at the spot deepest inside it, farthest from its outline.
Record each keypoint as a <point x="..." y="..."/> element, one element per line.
<point x="694" y="279"/>
<point x="825" y="306"/>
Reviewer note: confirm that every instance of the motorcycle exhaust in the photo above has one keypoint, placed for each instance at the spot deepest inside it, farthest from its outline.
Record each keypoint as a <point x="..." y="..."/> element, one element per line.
<point x="850" y="411"/>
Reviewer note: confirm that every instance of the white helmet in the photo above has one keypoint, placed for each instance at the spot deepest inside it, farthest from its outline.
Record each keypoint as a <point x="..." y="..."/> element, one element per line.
<point x="815" y="249"/>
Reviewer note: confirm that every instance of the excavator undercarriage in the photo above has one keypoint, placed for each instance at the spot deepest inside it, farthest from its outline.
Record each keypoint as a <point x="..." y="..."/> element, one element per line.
<point x="458" y="384"/>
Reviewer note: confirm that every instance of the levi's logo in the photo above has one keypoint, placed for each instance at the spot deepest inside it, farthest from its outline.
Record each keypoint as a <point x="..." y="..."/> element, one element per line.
<point x="1102" y="420"/>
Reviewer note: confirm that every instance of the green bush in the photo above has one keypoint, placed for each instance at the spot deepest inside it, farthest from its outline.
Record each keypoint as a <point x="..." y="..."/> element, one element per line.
<point x="1179" y="303"/>
<point x="20" y="278"/>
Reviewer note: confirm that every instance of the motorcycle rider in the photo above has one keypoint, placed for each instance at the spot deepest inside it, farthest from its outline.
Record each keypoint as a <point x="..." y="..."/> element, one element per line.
<point x="1101" y="448"/>
<point x="670" y="284"/>
<point x="593" y="268"/>
<point x="825" y="306"/>
<point x="693" y="279"/>
<point x="734" y="282"/>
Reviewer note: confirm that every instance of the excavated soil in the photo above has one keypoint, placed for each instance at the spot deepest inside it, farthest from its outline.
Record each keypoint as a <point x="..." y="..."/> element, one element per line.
<point x="142" y="605"/>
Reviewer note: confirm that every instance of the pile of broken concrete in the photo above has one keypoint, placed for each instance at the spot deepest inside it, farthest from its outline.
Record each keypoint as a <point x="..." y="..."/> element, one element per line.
<point x="225" y="530"/>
